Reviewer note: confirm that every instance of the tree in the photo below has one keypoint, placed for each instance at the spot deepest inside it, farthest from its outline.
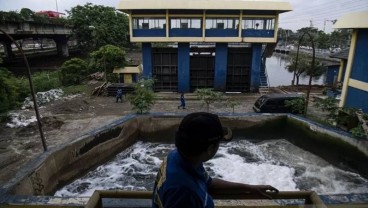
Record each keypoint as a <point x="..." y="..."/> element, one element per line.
<point x="142" y="98"/>
<point x="208" y="96"/>
<point x="72" y="71"/>
<point x="106" y="59"/>
<point x="304" y="67"/>
<point x="96" y="25"/>
<point x="232" y="103"/>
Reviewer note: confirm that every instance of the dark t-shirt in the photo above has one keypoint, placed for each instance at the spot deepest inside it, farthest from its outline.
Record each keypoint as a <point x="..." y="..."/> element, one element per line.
<point x="179" y="184"/>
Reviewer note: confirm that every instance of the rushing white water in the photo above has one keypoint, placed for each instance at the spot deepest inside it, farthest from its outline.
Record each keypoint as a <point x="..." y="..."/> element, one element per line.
<point x="275" y="162"/>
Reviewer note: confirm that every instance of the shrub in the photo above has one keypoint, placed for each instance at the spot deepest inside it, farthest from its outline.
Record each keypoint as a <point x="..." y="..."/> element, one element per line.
<point x="297" y="105"/>
<point x="208" y="96"/>
<point x="73" y="71"/>
<point x="8" y="90"/>
<point x="142" y="98"/>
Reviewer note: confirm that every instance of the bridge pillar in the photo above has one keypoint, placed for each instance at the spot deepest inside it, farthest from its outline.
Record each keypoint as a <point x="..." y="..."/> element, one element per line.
<point x="62" y="47"/>
<point x="8" y="50"/>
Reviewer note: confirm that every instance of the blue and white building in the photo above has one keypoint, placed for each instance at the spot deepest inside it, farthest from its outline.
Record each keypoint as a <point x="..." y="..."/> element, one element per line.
<point x="215" y="43"/>
<point x="355" y="81"/>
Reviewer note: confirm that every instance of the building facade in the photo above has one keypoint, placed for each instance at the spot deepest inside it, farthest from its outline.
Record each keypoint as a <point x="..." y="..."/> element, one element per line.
<point x="355" y="82"/>
<point x="213" y="43"/>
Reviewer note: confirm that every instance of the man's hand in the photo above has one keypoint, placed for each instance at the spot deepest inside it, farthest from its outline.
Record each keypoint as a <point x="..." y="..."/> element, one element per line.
<point x="264" y="190"/>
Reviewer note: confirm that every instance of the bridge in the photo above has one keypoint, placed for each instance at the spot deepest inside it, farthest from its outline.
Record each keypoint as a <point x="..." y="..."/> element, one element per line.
<point x="29" y="29"/>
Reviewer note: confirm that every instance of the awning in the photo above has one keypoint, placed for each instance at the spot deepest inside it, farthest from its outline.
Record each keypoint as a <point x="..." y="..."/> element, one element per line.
<point x="127" y="70"/>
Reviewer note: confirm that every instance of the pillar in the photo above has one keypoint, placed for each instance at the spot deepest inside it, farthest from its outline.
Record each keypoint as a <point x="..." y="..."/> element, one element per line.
<point x="8" y="49"/>
<point x="147" y="60"/>
<point x="220" y="66"/>
<point x="256" y="67"/>
<point x="62" y="46"/>
<point x="183" y="67"/>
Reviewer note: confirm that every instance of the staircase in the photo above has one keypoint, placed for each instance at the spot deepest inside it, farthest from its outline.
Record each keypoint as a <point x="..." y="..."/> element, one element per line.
<point x="264" y="82"/>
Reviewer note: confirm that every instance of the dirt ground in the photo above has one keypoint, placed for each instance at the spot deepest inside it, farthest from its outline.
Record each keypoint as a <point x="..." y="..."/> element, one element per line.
<point x="68" y="118"/>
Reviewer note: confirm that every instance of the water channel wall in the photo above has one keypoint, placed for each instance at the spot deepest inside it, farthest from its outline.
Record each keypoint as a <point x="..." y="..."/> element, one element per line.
<point x="58" y="166"/>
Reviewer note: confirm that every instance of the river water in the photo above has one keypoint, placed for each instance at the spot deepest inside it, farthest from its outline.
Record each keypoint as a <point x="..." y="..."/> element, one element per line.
<point x="279" y="76"/>
<point x="275" y="162"/>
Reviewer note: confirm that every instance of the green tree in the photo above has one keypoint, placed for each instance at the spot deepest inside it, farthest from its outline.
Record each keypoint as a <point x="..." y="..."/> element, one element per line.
<point x="73" y="71"/>
<point x="232" y="102"/>
<point x="8" y="90"/>
<point x="106" y="59"/>
<point x="96" y="25"/>
<point x="208" y="96"/>
<point x="142" y="98"/>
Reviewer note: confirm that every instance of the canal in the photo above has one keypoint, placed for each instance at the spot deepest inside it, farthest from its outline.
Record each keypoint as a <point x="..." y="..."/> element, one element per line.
<point x="279" y="76"/>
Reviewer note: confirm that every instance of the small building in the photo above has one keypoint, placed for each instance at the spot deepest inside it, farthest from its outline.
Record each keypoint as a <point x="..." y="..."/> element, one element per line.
<point x="128" y="74"/>
<point x="215" y="43"/>
<point x="355" y="83"/>
<point x="343" y="55"/>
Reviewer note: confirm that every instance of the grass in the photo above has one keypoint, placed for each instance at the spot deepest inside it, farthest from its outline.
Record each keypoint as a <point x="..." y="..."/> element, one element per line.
<point x="74" y="89"/>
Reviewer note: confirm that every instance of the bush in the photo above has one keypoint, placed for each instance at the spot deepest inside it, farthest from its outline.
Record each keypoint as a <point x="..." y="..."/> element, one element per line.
<point x="297" y="105"/>
<point x="208" y="96"/>
<point x="8" y="90"/>
<point x="142" y="98"/>
<point x="73" y="71"/>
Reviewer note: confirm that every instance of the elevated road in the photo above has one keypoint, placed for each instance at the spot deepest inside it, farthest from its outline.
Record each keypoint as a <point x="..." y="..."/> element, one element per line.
<point x="29" y="29"/>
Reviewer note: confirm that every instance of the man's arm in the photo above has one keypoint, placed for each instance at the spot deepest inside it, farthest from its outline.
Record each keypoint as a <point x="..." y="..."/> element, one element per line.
<point x="219" y="186"/>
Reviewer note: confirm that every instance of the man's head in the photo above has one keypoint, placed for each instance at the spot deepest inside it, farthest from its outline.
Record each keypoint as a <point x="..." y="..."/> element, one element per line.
<point x="199" y="131"/>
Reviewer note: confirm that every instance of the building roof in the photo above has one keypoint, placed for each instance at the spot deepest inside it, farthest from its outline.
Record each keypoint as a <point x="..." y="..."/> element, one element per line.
<point x="343" y="54"/>
<point x="352" y="20"/>
<point x="127" y="70"/>
<point x="127" y="5"/>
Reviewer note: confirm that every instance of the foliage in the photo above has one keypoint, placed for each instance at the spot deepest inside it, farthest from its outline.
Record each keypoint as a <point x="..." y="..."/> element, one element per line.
<point x="358" y="131"/>
<point x="329" y="104"/>
<point x="74" y="89"/>
<point x="73" y="71"/>
<point x="297" y="105"/>
<point x="8" y="90"/>
<point x="208" y="96"/>
<point x="26" y="14"/>
<point x="95" y="26"/>
<point x="142" y="98"/>
<point x="44" y="81"/>
<point x="106" y="59"/>
<point x="304" y="67"/>
<point x="232" y="103"/>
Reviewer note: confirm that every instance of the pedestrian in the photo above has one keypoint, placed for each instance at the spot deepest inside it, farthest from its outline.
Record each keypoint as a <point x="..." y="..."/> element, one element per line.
<point x="182" y="101"/>
<point x="119" y="95"/>
<point x="182" y="180"/>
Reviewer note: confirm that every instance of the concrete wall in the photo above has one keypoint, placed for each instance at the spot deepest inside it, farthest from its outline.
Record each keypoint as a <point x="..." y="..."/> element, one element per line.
<point x="57" y="167"/>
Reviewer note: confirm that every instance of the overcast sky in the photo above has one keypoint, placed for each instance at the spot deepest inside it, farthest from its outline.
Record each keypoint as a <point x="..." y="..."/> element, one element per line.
<point x="318" y="13"/>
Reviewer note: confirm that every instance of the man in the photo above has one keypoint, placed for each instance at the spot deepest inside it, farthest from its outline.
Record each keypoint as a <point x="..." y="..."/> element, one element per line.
<point x="182" y="181"/>
<point x="119" y="95"/>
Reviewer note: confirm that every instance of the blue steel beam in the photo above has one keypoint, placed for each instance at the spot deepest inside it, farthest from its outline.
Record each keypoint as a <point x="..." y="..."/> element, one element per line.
<point x="183" y="67"/>
<point x="220" y="66"/>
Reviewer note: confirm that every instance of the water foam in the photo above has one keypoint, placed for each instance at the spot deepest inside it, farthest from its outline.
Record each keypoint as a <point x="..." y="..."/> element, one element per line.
<point x="275" y="162"/>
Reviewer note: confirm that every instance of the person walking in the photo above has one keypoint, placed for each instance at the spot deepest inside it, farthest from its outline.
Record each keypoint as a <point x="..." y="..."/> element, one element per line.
<point x="182" y="180"/>
<point x="119" y="95"/>
<point x="182" y="101"/>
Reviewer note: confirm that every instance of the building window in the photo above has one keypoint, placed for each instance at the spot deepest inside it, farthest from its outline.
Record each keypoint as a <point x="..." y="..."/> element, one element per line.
<point x="149" y="23"/>
<point x="185" y="23"/>
<point x="259" y="23"/>
<point x="221" y="23"/>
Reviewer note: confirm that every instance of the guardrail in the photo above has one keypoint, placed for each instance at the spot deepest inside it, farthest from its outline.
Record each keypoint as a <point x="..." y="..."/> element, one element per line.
<point x="309" y="197"/>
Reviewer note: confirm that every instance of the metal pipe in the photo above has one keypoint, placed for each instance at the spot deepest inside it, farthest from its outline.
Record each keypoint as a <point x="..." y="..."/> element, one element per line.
<point x="32" y="90"/>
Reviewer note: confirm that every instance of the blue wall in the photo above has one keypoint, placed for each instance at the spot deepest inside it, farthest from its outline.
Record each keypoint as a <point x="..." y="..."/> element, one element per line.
<point x="258" y="33"/>
<point x="147" y="60"/>
<point x="221" y="33"/>
<point x="357" y="99"/>
<point x="256" y="66"/>
<point x="360" y="65"/>
<point x="220" y="66"/>
<point x="177" y="32"/>
<point x="183" y="67"/>
<point x="331" y="75"/>
<point x="149" y="33"/>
